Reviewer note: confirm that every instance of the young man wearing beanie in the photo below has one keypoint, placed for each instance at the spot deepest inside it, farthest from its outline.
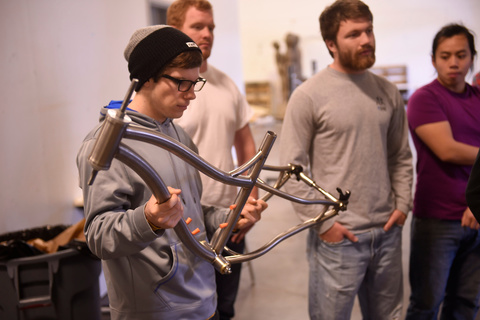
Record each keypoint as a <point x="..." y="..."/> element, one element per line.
<point x="150" y="274"/>
<point x="217" y="121"/>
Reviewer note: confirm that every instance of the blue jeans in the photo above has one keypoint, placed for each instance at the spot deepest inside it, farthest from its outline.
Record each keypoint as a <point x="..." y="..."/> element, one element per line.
<point x="444" y="267"/>
<point x="371" y="268"/>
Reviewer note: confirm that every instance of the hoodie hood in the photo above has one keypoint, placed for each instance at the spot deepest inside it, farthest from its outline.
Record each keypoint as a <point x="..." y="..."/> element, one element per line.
<point x="136" y="116"/>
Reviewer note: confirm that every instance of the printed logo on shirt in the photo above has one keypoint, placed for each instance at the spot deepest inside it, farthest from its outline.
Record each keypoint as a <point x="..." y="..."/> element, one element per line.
<point x="380" y="104"/>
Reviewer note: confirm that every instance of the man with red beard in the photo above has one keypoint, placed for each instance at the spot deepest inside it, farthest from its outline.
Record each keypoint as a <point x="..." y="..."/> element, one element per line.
<point x="348" y="126"/>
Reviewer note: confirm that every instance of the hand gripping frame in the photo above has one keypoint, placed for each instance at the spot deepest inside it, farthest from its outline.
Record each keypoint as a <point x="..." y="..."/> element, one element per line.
<point x="109" y="145"/>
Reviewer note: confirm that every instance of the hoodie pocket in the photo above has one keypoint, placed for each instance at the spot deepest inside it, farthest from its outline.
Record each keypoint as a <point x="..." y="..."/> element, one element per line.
<point x="191" y="281"/>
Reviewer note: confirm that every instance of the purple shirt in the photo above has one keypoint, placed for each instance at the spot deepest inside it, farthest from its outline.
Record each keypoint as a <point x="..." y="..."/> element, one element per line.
<point x="440" y="188"/>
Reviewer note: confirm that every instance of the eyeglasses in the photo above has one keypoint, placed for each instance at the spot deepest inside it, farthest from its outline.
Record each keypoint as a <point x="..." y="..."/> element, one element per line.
<point x="185" y="85"/>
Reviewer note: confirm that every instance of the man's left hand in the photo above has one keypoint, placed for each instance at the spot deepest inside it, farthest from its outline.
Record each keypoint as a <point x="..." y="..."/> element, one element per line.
<point x="397" y="217"/>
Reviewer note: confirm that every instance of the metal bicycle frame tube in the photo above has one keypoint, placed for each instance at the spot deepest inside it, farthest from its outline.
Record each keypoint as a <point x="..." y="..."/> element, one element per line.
<point x="213" y="251"/>
<point x="108" y="146"/>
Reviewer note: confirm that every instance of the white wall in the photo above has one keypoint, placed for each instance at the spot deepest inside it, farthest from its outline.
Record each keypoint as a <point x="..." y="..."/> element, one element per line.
<point x="404" y="33"/>
<point x="61" y="60"/>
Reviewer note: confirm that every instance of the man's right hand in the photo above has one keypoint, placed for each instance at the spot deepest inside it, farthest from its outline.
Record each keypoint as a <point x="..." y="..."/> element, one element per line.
<point x="165" y="215"/>
<point x="337" y="233"/>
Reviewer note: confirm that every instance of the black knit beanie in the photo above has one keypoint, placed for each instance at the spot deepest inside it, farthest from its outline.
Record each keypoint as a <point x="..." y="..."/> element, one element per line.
<point x="151" y="48"/>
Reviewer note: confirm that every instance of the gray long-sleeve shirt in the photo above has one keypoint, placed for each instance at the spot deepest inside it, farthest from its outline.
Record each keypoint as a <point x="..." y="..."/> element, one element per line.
<point x="351" y="132"/>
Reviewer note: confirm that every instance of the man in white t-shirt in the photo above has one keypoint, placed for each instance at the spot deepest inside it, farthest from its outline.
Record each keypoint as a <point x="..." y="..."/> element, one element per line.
<point x="217" y="120"/>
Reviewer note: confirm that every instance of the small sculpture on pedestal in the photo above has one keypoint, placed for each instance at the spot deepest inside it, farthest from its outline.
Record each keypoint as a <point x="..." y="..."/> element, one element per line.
<point x="289" y="65"/>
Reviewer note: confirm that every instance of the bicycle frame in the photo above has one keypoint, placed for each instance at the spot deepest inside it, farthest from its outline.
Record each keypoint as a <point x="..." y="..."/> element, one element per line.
<point x="108" y="146"/>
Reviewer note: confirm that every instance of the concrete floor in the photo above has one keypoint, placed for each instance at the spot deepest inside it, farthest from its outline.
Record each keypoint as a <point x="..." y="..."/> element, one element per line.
<point x="274" y="286"/>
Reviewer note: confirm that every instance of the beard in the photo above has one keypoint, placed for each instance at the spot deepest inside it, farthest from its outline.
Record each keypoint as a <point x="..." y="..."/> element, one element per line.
<point x="355" y="61"/>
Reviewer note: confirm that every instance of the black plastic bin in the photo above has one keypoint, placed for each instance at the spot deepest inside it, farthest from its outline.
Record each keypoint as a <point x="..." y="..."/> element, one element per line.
<point x="62" y="286"/>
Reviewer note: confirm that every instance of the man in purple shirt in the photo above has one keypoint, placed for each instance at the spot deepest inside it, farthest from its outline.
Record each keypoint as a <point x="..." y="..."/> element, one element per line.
<point x="444" y="118"/>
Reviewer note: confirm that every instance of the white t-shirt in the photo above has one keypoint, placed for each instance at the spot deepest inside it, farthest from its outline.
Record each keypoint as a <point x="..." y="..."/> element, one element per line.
<point x="211" y="120"/>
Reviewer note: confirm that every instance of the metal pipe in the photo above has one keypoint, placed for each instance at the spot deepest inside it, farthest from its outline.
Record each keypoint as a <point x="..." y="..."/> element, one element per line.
<point x="186" y="154"/>
<point x="220" y="241"/>
<point x="108" y="145"/>
<point x="239" y="258"/>
<point x="161" y="193"/>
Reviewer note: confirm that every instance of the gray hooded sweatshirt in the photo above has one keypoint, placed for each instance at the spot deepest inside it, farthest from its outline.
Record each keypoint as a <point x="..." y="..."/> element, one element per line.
<point x="149" y="275"/>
